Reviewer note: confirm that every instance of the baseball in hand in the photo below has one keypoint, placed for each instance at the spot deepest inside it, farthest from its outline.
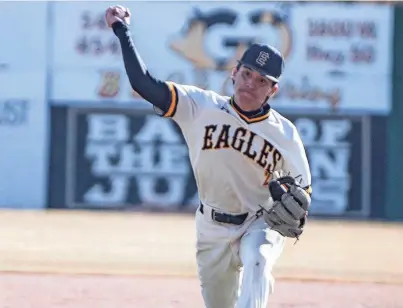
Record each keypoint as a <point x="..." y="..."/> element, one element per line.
<point x="117" y="13"/>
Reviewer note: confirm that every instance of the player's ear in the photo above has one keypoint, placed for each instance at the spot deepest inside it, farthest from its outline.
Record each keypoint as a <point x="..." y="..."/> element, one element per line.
<point x="233" y="73"/>
<point x="274" y="89"/>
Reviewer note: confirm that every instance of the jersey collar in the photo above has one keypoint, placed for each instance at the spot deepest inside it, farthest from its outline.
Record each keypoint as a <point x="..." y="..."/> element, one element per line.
<point x="251" y="116"/>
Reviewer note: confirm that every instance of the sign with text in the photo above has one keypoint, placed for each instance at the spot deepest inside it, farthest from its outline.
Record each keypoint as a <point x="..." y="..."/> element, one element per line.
<point x="126" y="159"/>
<point x="339" y="158"/>
<point x="107" y="86"/>
<point x="318" y="93"/>
<point x="23" y="131"/>
<point x="324" y="53"/>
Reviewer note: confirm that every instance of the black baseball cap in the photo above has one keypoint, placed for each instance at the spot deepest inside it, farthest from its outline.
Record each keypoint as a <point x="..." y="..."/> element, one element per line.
<point x="264" y="59"/>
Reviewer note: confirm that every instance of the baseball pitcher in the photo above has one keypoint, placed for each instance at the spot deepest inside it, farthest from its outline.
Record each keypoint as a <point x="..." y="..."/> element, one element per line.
<point x="249" y="164"/>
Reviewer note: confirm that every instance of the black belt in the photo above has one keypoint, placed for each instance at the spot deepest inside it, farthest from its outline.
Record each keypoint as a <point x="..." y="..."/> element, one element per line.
<point x="226" y="218"/>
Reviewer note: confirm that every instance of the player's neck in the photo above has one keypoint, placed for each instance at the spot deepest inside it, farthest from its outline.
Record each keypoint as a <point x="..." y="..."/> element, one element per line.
<point x="251" y="113"/>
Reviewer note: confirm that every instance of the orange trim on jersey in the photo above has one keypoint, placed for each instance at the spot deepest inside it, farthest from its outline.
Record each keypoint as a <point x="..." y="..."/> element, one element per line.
<point x="174" y="100"/>
<point x="308" y="189"/>
<point x="250" y="120"/>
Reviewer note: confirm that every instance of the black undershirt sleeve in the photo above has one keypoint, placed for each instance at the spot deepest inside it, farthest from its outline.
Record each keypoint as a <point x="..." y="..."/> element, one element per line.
<point x="151" y="89"/>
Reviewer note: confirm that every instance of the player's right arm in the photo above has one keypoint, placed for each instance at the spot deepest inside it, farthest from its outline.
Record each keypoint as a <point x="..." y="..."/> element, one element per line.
<point x="169" y="99"/>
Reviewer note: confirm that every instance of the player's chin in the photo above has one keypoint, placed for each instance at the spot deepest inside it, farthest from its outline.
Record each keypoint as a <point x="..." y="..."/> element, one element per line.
<point x="246" y="96"/>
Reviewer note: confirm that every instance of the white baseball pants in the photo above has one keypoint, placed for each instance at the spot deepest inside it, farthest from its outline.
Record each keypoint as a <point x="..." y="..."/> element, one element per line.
<point x="235" y="262"/>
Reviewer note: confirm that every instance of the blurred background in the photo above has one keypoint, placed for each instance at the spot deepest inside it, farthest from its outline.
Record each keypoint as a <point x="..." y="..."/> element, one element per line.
<point x="75" y="136"/>
<point x="93" y="182"/>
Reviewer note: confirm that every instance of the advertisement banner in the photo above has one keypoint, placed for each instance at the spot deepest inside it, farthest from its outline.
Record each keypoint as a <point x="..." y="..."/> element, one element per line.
<point x="126" y="159"/>
<point x="23" y="130"/>
<point x="301" y="92"/>
<point x="339" y="158"/>
<point x="324" y="53"/>
<point x="120" y="159"/>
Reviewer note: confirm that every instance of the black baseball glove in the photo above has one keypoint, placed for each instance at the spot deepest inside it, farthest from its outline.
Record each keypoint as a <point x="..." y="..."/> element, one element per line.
<point x="289" y="212"/>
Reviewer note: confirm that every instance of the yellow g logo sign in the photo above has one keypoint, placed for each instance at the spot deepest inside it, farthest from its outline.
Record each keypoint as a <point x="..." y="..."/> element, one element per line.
<point x="191" y="43"/>
<point x="278" y="23"/>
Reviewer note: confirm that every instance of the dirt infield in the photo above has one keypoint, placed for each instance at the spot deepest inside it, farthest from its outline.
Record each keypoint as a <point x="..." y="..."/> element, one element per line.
<point x="34" y="291"/>
<point x="147" y="260"/>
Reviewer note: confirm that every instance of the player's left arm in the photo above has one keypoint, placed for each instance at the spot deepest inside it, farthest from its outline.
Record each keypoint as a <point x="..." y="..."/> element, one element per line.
<point x="298" y="167"/>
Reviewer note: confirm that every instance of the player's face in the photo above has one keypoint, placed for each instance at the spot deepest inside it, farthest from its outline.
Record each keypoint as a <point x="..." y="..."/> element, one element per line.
<point x="251" y="89"/>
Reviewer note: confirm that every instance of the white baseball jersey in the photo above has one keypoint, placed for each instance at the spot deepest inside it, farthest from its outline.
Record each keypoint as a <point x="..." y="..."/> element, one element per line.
<point x="233" y="156"/>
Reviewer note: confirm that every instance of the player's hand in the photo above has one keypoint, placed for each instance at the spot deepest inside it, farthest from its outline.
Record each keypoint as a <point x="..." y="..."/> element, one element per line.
<point x="117" y="13"/>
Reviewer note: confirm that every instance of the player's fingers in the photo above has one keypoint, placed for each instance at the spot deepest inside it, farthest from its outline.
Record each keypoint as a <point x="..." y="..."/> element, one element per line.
<point x="121" y="10"/>
<point x="127" y="16"/>
<point x="108" y="14"/>
<point x="109" y="10"/>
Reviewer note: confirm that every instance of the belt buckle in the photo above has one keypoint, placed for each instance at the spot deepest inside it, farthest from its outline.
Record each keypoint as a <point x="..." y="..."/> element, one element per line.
<point x="224" y="218"/>
<point x="214" y="215"/>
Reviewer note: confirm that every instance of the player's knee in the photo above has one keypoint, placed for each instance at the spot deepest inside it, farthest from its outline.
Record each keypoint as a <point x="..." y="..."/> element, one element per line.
<point x="258" y="263"/>
<point x="258" y="269"/>
<point x="262" y="271"/>
<point x="258" y="260"/>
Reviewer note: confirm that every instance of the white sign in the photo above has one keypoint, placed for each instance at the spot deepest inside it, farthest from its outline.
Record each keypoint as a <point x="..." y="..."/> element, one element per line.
<point x="355" y="39"/>
<point x="319" y="92"/>
<point x="23" y="131"/>
<point x="203" y="42"/>
<point x="104" y="86"/>
<point x="297" y="91"/>
<point x="24" y="35"/>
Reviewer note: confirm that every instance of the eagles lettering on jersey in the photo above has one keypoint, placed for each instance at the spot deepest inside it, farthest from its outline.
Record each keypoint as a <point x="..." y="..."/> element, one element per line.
<point x="218" y="137"/>
<point x="195" y="109"/>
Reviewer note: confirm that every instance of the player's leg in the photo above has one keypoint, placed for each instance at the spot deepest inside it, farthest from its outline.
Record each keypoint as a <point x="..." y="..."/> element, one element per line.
<point x="259" y="250"/>
<point x="218" y="277"/>
<point x="218" y="267"/>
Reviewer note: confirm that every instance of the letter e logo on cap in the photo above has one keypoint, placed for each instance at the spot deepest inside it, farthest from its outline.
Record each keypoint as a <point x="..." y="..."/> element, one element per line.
<point x="262" y="58"/>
